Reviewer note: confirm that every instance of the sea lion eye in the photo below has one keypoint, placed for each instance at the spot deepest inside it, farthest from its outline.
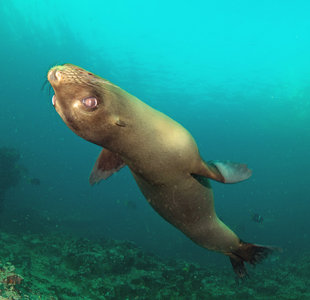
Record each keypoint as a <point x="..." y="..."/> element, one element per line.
<point x="90" y="102"/>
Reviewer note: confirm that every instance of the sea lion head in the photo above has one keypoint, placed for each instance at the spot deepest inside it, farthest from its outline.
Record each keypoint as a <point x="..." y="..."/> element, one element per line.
<point x="87" y="103"/>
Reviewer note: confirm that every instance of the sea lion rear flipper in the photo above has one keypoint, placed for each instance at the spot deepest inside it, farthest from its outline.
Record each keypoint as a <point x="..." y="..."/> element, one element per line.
<point x="250" y="253"/>
<point x="225" y="171"/>
<point x="107" y="163"/>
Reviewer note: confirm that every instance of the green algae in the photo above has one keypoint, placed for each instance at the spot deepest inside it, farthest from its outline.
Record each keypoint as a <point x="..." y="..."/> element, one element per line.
<point x="63" y="267"/>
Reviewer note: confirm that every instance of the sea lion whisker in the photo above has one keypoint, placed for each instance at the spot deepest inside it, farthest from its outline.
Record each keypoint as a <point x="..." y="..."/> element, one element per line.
<point x="45" y="83"/>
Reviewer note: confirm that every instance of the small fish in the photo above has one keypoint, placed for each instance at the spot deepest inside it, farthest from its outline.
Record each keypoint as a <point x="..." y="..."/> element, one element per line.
<point x="257" y="218"/>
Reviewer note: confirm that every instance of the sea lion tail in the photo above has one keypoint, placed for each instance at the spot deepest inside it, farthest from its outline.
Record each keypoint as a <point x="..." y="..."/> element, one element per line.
<point x="250" y="253"/>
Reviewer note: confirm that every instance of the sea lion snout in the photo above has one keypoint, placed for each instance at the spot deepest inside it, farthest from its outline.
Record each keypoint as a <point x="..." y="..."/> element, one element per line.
<point x="67" y="73"/>
<point x="55" y="75"/>
<point x="51" y="75"/>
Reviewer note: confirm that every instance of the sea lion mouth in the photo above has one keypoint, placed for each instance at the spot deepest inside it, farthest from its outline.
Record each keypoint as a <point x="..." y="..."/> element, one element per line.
<point x="54" y="100"/>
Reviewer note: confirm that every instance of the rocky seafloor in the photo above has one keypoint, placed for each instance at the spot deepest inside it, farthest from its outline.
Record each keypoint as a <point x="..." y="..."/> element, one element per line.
<point x="53" y="266"/>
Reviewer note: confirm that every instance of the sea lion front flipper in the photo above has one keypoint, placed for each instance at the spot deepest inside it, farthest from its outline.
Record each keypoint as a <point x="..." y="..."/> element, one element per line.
<point x="107" y="163"/>
<point x="225" y="171"/>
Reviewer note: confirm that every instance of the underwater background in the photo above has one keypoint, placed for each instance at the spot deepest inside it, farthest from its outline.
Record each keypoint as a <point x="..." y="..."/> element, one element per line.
<point x="236" y="74"/>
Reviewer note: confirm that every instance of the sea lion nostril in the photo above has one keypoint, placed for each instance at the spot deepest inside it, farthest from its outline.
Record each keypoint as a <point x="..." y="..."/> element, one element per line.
<point x="57" y="75"/>
<point x="51" y="75"/>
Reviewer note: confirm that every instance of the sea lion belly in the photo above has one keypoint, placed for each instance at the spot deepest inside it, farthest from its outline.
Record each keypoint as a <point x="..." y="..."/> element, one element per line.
<point x="184" y="202"/>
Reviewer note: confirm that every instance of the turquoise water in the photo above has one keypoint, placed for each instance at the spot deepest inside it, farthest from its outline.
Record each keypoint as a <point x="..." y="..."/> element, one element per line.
<point x="235" y="74"/>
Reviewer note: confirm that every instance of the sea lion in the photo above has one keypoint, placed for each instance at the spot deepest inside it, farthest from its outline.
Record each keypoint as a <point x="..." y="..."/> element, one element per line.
<point x="160" y="153"/>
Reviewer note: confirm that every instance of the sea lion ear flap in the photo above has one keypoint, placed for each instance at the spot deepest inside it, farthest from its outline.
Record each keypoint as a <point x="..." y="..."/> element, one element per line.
<point x="225" y="171"/>
<point x="107" y="163"/>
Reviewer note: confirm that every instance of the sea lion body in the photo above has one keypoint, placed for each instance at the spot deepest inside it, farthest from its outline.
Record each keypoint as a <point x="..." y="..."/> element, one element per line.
<point x="161" y="154"/>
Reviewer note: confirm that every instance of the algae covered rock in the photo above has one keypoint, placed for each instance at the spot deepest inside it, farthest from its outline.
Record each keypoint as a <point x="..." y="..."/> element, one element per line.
<point x="55" y="266"/>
